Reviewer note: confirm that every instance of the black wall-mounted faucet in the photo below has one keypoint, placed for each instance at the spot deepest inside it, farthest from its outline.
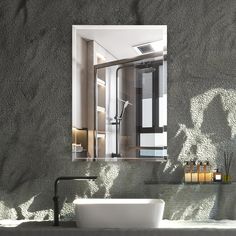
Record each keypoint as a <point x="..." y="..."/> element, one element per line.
<point x="55" y="198"/>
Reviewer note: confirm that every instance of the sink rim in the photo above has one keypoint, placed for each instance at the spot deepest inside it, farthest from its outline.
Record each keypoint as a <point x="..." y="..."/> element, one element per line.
<point x="116" y="201"/>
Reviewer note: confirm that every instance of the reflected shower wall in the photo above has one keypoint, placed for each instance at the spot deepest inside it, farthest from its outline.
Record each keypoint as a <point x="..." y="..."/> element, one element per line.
<point x="111" y="111"/>
<point x="127" y="93"/>
<point x="105" y="133"/>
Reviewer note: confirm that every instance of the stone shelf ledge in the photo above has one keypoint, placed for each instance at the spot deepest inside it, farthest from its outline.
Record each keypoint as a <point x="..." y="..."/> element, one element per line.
<point x="150" y="182"/>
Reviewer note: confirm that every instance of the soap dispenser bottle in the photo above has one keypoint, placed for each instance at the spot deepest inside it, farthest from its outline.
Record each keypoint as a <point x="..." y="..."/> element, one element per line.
<point x="194" y="173"/>
<point x="201" y="173"/>
<point x="204" y="170"/>
<point x="208" y="173"/>
<point x="187" y="172"/>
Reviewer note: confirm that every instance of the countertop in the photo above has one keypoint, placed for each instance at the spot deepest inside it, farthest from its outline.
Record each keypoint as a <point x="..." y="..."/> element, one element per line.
<point x="168" y="228"/>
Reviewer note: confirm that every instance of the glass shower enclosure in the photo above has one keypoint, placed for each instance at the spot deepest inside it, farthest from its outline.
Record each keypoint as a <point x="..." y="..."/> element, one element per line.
<point x="131" y="108"/>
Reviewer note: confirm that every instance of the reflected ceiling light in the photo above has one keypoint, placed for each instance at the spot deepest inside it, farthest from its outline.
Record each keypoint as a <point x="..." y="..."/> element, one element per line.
<point x="156" y="46"/>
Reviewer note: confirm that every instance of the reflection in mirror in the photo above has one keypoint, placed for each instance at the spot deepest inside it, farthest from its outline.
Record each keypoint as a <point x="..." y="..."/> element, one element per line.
<point x="122" y="71"/>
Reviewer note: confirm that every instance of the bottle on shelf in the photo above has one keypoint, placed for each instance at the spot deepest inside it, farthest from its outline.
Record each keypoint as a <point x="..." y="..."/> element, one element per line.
<point x="204" y="170"/>
<point x="194" y="172"/>
<point x="201" y="173"/>
<point x="208" y="173"/>
<point x="187" y="172"/>
<point x="217" y="176"/>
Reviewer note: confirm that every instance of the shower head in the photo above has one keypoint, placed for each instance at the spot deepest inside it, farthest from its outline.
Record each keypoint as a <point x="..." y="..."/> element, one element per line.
<point x="126" y="104"/>
<point x="126" y="101"/>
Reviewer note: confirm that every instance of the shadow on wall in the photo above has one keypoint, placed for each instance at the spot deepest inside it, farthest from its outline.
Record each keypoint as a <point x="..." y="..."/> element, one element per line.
<point x="213" y="115"/>
<point x="214" y="127"/>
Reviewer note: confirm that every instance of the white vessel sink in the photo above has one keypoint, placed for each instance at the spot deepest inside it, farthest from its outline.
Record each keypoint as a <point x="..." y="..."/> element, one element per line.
<point x="119" y="213"/>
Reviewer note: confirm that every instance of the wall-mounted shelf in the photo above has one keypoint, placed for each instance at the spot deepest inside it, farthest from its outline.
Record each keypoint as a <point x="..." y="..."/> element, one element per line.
<point x="79" y="143"/>
<point x="156" y="182"/>
<point x="101" y="82"/>
<point x="101" y="109"/>
<point x="101" y="134"/>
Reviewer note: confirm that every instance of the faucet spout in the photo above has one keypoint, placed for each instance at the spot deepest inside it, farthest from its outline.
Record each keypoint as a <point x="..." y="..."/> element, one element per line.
<point x="56" y="198"/>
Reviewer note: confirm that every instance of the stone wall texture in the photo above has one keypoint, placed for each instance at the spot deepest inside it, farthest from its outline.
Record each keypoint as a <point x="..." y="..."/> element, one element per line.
<point x="35" y="95"/>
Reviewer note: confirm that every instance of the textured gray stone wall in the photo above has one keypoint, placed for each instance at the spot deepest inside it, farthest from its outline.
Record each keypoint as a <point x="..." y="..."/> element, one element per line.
<point x="35" y="117"/>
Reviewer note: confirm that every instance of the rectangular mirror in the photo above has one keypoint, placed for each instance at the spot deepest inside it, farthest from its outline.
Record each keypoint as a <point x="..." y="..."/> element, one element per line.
<point x="119" y="93"/>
